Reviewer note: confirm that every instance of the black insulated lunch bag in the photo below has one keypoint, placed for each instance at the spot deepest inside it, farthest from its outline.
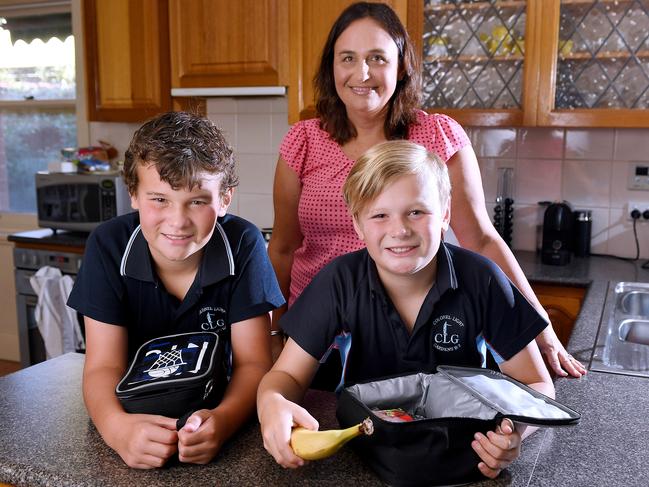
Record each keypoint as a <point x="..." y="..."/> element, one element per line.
<point x="175" y="375"/>
<point x="443" y="411"/>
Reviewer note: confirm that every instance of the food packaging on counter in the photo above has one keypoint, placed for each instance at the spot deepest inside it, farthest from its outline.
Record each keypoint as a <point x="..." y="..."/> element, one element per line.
<point x="453" y="404"/>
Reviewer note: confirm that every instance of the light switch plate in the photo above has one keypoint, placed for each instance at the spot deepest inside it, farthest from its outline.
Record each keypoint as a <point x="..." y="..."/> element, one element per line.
<point x="638" y="176"/>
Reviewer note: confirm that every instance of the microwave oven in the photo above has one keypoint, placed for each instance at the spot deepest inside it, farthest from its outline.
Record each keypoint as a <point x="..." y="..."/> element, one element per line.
<point x="79" y="202"/>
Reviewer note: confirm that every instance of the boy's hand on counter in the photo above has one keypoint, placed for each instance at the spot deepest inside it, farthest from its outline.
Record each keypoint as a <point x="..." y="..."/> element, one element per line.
<point x="201" y="438"/>
<point x="145" y="441"/>
<point x="498" y="449"/>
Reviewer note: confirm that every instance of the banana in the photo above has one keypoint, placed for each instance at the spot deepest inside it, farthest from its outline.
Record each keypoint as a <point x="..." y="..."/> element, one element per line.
<point x="316" y="445"/>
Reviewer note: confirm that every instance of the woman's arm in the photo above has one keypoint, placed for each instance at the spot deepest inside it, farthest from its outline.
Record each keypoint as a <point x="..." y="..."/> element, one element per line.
<point x="286" y="237"/>
<point x="474" y="230"/>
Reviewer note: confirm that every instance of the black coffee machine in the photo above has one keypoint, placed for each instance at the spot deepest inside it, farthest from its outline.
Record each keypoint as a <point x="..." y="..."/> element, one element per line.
<point x="557" y="234"/>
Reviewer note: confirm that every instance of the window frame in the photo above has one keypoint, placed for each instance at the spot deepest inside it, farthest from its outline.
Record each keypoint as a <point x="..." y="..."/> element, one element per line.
<point x="9" y="221"/>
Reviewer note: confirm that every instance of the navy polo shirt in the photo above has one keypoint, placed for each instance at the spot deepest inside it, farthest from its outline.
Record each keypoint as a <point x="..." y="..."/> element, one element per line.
<point x="117" y="283"/>
<point x="472" y="308"/>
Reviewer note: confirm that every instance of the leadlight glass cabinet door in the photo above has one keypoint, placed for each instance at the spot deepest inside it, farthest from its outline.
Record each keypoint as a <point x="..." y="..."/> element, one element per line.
<point x="475" y="58"/>
<point x="594" y="63"/>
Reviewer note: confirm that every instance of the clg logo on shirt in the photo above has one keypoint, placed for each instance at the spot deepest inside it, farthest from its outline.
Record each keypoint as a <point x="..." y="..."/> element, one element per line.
<point x="447" y="332"/>
<point x="212" y="319"/>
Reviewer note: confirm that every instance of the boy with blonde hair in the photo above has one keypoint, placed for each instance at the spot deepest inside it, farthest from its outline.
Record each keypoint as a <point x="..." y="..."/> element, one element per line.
<point x="408" y="302"/>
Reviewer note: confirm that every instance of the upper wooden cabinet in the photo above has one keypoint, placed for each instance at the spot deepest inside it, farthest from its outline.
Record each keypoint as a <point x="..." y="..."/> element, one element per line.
<point x="536" y="62"/>
<point x="220" y="43"/>
<point x="127" y="59"/>
<point x="479" y="59"/>
<point x="310" y="23"/>
<point x="594" y="64"/>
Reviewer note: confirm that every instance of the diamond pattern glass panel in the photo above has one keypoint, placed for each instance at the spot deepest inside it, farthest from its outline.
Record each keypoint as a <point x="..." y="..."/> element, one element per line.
<point x="473" y="53"/>
<point x="603" y="59"/>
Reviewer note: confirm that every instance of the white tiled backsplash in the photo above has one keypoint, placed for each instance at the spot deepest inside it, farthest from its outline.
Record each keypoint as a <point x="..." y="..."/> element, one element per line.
<point x="255" y="127"/>
<point x="587" y="167"/>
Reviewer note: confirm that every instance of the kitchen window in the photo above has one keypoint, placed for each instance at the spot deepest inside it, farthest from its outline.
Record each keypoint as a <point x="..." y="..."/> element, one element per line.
<point x="37" y="96"/>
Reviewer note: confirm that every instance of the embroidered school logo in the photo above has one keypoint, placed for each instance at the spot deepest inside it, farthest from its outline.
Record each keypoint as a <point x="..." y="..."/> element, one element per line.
<point x="447" y="333"/>
<point x="172" y="356"/>
<point x="168" y="362"/>
<point x="212" y="319"/>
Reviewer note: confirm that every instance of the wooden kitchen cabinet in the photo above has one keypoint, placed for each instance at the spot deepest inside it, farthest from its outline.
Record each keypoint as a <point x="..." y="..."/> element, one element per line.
<point x="310" y="22"/>
<point x="565" y="63"/>
<point x="594" y="64"/>
<point x="127" y="59"/>
<point x="479" y="59"/>
<point x="562" y="304"/>
<point x="222" y="43"/>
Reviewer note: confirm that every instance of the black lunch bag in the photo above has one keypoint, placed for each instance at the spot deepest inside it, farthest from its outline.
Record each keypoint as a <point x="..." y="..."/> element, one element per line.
<point x="175" y="375"/>
<point x="444" y="411"/>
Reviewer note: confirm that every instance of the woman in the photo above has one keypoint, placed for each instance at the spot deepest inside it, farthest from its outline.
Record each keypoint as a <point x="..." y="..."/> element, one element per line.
<point x="367" y="89"/>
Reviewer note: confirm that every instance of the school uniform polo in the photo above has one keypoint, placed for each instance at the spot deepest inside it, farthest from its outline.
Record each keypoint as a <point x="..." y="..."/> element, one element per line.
<point x="117" y="283"/>
<point x="471" y="308"/>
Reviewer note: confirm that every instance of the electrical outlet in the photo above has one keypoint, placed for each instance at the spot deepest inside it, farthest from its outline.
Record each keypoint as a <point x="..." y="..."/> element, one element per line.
<point x="636" y="205"/>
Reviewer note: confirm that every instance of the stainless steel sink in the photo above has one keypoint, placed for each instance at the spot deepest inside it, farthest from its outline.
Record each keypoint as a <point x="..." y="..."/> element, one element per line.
<point x="634" y="331"/>
<point x="634" y="302"/>
<point x="623" y="340"/>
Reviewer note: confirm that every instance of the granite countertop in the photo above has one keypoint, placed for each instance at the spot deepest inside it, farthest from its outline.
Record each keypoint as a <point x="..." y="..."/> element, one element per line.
<point x="48" y="439"/>
<point x="46" y="236"/>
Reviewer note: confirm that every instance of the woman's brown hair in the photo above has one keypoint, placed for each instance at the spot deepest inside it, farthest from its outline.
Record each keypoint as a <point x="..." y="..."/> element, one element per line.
<point x="404" y="101"/>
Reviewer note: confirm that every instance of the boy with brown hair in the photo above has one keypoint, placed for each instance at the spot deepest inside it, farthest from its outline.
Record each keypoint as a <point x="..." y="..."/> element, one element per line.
<point x="179" y="264"/>
<point x="408" y="302"/>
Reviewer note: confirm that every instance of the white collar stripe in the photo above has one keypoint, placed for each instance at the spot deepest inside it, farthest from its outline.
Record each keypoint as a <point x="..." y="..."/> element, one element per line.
<point x="122" y="267"/>
<point x="227" y="247"/>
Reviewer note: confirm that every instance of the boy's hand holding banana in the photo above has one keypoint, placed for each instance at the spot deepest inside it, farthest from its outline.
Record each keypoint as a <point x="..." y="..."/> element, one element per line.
<point x="316" y="445"/>
<point x="278" y="417"/>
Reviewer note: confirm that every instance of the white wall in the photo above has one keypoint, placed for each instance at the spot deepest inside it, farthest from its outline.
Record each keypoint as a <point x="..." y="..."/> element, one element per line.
<point x="255" y="127"/>
<point x="587" y="167"/>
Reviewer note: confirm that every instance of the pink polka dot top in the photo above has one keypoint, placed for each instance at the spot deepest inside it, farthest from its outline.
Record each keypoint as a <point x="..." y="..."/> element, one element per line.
<point x="322" y="166"/>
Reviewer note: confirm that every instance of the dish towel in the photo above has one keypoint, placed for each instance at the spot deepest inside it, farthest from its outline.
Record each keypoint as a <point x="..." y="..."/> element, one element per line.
<point x="57" y="322"/>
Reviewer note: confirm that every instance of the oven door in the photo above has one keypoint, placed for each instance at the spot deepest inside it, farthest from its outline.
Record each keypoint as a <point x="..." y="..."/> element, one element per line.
<point x="32" y="348"/>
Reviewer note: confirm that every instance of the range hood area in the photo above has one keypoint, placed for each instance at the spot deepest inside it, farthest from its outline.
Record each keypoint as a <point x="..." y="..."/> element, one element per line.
<point x="231" y="91"/>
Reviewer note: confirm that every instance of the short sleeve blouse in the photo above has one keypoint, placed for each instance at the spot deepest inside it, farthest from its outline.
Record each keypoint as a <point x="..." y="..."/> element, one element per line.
<point x="322" y="167"/>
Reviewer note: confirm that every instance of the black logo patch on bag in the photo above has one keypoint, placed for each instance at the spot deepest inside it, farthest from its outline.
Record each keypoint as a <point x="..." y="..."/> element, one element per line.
<point x="173" y="374"/>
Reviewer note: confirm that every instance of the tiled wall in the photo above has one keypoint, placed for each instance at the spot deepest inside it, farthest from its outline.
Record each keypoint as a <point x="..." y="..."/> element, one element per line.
<point x="587" y="167"/>
<point x="255" y="127"/>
